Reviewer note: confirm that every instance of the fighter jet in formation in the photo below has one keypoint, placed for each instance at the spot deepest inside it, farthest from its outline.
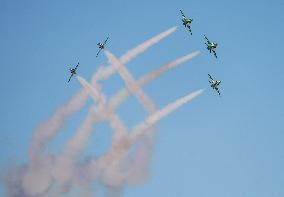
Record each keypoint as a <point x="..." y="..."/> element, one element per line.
<point x="211" y="46"/>
<point x="73" y="72"/>
<point x="186" y="21"/>
<point x="214" y="84"/>
<point x="101" y="46"/>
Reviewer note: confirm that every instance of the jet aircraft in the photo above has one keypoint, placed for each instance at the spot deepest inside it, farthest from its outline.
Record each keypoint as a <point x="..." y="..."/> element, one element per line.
<point x="73" y="72"/>
<point x="186" y="21"/>
<point x="211" y="46"/>
<point x="101" y="46"/>
<point x="214" y="84"/>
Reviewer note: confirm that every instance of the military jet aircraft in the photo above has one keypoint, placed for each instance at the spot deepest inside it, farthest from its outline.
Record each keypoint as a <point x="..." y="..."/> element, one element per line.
<point x="73" y="72"/>
<point x="214" y="84"/>
<point x="211" y="46"/>
<point x="101" y="46"/>
<point x="186" y="21"/>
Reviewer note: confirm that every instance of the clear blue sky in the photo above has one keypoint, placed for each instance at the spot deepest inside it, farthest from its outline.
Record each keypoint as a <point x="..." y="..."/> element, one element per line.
<point x="218" y="147"/>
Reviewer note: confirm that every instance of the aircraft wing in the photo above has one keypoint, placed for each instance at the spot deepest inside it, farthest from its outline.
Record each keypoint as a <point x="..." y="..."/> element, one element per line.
<point x="106" y="41"/>
<point x="210" y="77"/>
<point x="218" y="91"/>
<point x="214" y="53"/>
<point x="98" y="52"/>
<point x="207" y="39"/>
<point x="182" y="13"/>
<point x="189" y="29"/>
<point x="70" y="77"/>
<point x="77" y="66"/>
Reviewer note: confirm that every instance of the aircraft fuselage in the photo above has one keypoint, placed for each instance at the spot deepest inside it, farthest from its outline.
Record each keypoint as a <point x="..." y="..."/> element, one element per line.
<point x="186" y="21"/>
<point x="215" y="83"/>
<point x="101" y="46"/>
<point x="211" y="46"/>
<point x="73" y="71"/>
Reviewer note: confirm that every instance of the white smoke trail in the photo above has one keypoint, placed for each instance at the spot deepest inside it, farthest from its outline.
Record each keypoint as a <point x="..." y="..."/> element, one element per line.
<point x="133" y="53"/>
<point x="104" y="73"/>
<point x="111" y="174"/>
<point x="143" y="129"/>
<point x="119" y="151"/>
<point x="124" y="93"/>
<point x="144" y="99"/>
<point x="113" y="165"/>
<point x="163" y="69"/>
<point x="115" y="168"/>
<point x="102" y="111"/>
<point x="139" y="168"/>
<point x="118" y="127"/>
<point x="145" y="149"/>
<point x="64" y="166"/>
<point x="93" y="91"/>
<point x="131" y="83"/>
<point x="121" y="95"/>
<point x="48" y="129"/>
<point x="151" y="120"/>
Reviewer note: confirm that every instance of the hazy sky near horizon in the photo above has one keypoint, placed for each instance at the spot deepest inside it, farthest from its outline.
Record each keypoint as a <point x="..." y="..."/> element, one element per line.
<point x="214" y="146"/>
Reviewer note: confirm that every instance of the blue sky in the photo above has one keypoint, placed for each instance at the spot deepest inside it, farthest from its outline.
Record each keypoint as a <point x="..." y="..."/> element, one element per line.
<point x="228" y="146"/>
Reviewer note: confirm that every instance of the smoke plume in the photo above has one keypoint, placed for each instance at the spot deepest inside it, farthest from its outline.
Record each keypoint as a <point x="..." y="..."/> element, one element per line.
<point x="124" y="163"/>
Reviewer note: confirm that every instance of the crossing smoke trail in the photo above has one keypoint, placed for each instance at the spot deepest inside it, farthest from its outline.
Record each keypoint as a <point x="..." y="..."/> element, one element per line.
<point x="113" y="165"/>
<point x="65" y="164"/>
<point x="94" y="115"/>
<point x="57" y="175"/>
<point x="102" y="111"/>
<point x="136" y="90"/>
<point x="131" y="84"/>
<point x="123" y="93"/>
<point x="151" y="120"/>
<point x="118" y="155"/>
<point x="104" y="73"/>
<point x="143" y="155"/>
<point x="48" y="129"/>
<point x="144" y="99"/>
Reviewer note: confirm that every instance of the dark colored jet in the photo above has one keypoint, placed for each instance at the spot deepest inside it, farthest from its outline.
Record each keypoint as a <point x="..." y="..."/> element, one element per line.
<point x="211" y="46"/>
<point x="101" y="46"/>
<point x="73" y="72"/>
<point x="186" y="21"/>
<point x="214" y="84"/>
